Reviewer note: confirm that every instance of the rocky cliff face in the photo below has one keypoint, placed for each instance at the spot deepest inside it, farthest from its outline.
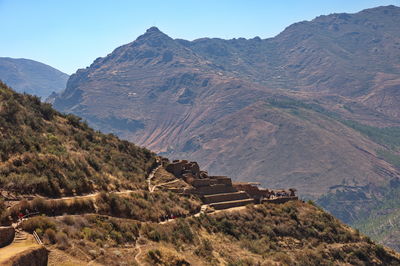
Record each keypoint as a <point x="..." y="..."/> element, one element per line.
<point x="301" y="109"/>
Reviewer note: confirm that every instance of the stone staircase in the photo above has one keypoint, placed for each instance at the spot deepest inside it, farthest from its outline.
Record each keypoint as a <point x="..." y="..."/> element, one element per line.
<point x="20" y="236"/>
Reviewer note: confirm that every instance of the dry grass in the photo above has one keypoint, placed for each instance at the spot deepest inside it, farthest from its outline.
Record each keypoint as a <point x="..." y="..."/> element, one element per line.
<point x="48" y="153"/>
<point x="293" y="233"/>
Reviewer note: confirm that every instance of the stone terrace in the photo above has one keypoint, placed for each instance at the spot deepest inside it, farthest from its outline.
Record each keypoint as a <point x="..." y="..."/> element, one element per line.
<point x="220" y="192"/>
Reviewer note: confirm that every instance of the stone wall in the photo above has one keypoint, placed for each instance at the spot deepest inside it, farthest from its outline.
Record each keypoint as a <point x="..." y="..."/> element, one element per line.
<point x="211" y="181"/>
<point x="215" y="189"/>
<point x="231" y="204"/>
<point x="222" y="180"/>
<point x="225" y="197"/>
<point x="253" y="190"/>
<point x="180" y="167"/>
<point x="201" y="182"/>
<point x="7" y="234"/>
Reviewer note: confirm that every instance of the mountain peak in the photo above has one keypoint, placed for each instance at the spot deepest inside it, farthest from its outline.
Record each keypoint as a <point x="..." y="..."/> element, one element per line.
<point x="153" y="34"/>
<point x="153" y="29"/>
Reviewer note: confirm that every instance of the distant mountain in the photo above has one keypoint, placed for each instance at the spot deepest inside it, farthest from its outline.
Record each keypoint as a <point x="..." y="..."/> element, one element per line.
<point x="314" y="107"/>
<point x="32" y="77"/>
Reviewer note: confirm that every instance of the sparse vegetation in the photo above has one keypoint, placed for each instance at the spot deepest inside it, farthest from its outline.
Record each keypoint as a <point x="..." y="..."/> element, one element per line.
<point x="48" y="153"/>
<point x="390" y="157"/>
<point x="293" y="233"/>
<point x="44" y="152"/>
<point x="389" y="136"/>
<point x="140" y="205"/>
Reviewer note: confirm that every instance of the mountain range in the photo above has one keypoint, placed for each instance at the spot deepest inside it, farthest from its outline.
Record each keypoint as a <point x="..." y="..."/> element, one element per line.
<point x="315" y="108"/>
<point x="32" y="77"/>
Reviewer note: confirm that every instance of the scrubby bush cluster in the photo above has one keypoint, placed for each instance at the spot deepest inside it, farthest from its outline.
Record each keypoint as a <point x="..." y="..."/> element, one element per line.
<point x="312" y="236"/>
<point x="158" y="257"/>
<point x="139" y="205"/>
<point x="100" y="230"/>
<point x="146" y="206"/>
<point x="40" y="206"/>
<point x="48" y="153"/>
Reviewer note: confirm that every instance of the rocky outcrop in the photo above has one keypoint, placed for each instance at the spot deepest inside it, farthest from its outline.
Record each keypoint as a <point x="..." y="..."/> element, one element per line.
<point x="7" y="234"/>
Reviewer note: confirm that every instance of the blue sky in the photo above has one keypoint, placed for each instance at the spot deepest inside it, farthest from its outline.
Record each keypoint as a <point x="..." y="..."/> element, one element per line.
<point x="70" y="34"/>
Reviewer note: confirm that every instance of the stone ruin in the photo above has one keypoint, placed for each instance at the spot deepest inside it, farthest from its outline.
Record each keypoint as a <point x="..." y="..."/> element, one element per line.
<point x="219" y="191"/>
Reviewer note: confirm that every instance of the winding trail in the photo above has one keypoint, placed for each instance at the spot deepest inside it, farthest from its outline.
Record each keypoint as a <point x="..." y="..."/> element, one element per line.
<point x="151" y="176"/>
<point x="162" y="184"/>
<point x="20" y="244"/>
<point x="139" y="247"/>
<point x="13" y="250"/>
<point x="93" y="195"/>
<point x="96" y="194"/>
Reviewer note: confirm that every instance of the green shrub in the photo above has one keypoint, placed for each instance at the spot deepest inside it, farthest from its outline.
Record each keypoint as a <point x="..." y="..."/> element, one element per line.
<point x="69" y="220"/>
<point x="205" y="249"/>
<point x="50" y="234"/>
<point x="154" y="255"/>
<point x="62" y="241"/>
<point x="182" y="232"/>
<point x="39" y="222"/>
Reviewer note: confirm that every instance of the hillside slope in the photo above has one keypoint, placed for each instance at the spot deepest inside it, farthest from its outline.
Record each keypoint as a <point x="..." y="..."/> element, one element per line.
<point x="304" y="109"/>
<point x="32" y="77"/>
<point x="46" y="154"/>
<point x="167" y="94"/>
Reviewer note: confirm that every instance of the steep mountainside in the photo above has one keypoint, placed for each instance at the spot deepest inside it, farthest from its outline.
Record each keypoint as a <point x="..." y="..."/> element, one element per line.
<point x="314" y="107"/>
<point x="46" y="154"/>
<point x="32" y="77"/>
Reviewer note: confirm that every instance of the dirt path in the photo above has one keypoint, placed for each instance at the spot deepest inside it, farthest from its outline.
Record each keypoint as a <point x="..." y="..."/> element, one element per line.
<point x="162" y="184"/>
<point x="15" y="248"/>
<point x="96" y="194"/>
<point x="151" y="176"/>
<point x="139" y="248"/>
<point x="93" y="195"/>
